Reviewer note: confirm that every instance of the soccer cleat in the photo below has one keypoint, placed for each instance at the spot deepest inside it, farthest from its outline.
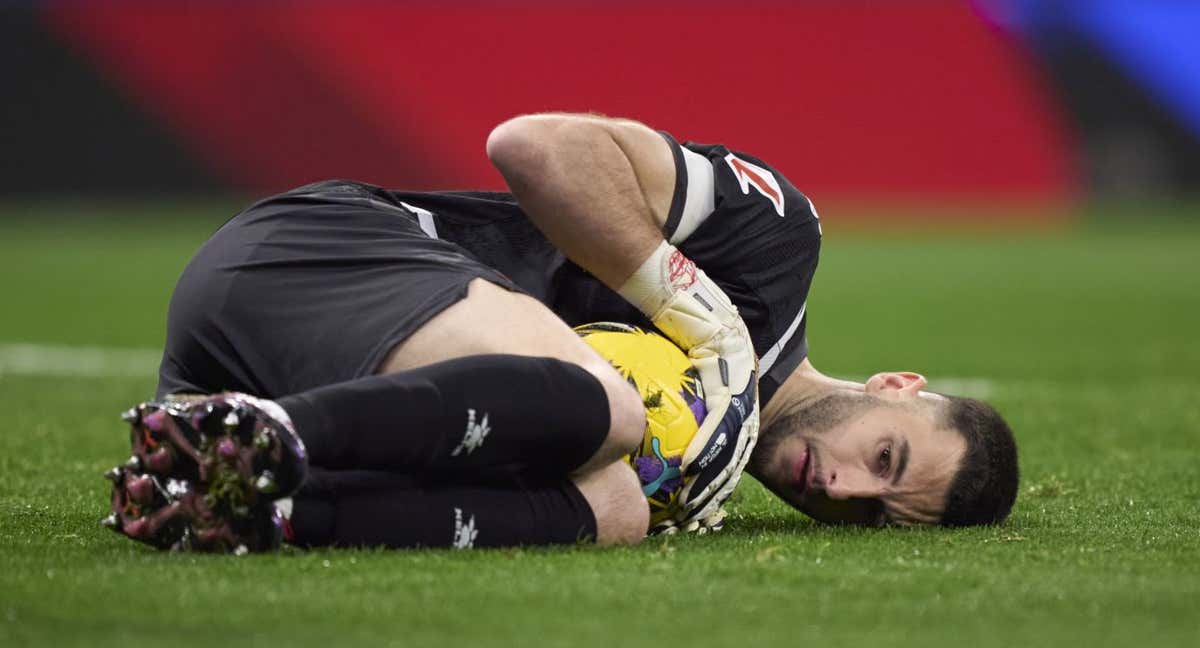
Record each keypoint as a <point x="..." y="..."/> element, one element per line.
<point x="204" y="474"/>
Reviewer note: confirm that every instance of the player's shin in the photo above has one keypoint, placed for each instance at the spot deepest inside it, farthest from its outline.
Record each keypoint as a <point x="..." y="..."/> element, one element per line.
<point x="463" y="415"/>
<point x="400" y="513"/>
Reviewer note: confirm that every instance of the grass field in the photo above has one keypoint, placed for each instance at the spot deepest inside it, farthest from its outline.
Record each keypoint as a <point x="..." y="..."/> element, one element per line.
<point x="1084" y="338"/>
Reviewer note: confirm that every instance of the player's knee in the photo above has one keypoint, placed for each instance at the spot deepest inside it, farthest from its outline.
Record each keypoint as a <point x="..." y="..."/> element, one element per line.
<point x="627" y="414"/>
<point x="615" y="497"/>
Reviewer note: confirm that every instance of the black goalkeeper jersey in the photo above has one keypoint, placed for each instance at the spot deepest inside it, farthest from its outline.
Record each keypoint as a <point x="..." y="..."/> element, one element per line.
<point x="742" y="222"/>
<point x="318" y="284"/>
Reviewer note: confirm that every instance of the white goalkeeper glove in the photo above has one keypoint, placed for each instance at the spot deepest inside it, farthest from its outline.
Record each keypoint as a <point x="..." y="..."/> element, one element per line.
<point x="695" y="313"/>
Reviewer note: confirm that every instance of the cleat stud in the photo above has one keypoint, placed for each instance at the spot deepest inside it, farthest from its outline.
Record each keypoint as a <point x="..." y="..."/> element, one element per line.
<point x="130" y="415"/>
<point x="160" y="461"/>
<point x="262" y="440"/>
<point x="231" y="421"/>
<point x="115" y="475"/>
<point x="136" y="528"/>
<point x="227" y="448"/>
<point x="266" y="483"/>
<point x="111" y="521"/>
<point x="133" y="463"/>
<point x="155" y="420"/>
<point x="141" y="490"/>
<point x="241" y="550"/>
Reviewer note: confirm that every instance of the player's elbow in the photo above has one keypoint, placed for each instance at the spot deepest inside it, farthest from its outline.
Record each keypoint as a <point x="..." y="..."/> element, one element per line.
<point x="528" y="149"/>
<point x="518" y="144"/>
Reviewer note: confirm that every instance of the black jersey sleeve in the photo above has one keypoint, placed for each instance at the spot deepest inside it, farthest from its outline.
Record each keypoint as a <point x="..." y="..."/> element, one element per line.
<point x="757" y="237"/>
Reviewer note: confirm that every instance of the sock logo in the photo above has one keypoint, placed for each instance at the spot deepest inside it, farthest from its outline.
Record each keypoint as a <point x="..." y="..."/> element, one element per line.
<point x="475" y="434"/>
<point x="464" y="534"/>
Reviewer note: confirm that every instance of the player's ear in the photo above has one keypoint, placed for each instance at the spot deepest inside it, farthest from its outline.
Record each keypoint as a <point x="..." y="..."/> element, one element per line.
<point x="896" y="385"/>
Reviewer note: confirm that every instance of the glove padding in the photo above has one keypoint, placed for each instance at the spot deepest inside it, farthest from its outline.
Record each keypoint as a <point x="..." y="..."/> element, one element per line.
<point x="710" y="523"/>
<point x="695" y="313"/>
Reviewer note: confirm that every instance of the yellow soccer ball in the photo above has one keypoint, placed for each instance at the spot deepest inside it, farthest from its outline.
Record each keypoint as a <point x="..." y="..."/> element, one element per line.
<point x="674" y="401"/>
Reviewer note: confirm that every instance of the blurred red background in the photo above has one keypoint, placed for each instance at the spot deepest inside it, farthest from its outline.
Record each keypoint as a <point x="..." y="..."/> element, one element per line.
<point x="858" y="100"/>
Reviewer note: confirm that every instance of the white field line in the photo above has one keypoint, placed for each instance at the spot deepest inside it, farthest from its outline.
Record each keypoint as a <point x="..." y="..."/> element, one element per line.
<point x="108" y="362"/>
<point x="77" y="362"/>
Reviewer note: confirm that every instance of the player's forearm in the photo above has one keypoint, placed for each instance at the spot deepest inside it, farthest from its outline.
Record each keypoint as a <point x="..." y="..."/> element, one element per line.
<point x="581" y="180"/>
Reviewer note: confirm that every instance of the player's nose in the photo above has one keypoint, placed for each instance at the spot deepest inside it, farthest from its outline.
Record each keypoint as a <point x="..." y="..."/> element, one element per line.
<point x="841" y="483"/>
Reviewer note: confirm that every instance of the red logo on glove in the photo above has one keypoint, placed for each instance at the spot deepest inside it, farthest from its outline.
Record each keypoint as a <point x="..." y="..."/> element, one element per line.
<point x="681" y="271"/>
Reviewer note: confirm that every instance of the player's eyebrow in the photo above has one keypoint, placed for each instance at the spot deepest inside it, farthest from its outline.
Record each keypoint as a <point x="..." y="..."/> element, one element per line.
<point x="902" y="463"/>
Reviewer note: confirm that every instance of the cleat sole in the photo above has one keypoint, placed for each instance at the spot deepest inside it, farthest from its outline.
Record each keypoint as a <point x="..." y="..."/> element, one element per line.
<point x="203" y="475"/>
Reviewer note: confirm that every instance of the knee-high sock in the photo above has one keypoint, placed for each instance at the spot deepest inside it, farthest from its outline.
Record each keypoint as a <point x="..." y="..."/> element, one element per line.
<point x="388" y="510"/>
<point x="487" y="411"/>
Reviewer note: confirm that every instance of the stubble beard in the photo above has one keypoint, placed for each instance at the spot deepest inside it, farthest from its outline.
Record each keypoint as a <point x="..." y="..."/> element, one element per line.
<point x="808" y="421"/>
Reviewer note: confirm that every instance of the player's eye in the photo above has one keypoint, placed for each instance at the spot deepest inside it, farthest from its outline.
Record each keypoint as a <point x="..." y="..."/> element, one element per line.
<point x="885" y="458"/>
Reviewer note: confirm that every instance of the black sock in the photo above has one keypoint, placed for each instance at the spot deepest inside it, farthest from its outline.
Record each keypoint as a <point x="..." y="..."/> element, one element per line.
<point x="488" y="411"/>
<point x="400" y="512"/>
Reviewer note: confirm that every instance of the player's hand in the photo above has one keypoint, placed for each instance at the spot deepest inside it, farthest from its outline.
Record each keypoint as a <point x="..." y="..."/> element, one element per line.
<point x="696" y="314"/>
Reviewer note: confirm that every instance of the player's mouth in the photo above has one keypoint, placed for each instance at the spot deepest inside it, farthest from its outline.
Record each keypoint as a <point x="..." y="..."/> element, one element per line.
<point x="802" y="471"/>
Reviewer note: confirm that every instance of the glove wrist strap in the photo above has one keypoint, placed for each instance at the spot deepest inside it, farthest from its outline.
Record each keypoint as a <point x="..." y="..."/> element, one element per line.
<point x="661" y="275"/>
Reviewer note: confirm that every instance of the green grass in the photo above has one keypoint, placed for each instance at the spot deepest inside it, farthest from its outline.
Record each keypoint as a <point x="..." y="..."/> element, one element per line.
<point x="1087" y="338"/>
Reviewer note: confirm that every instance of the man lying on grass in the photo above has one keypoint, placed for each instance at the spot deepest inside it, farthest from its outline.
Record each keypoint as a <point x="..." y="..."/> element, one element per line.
<point x="397" y="368"/>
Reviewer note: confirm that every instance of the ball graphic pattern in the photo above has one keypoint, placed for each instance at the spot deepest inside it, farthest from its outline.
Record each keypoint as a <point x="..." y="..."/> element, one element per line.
<point x="674" y="401"/>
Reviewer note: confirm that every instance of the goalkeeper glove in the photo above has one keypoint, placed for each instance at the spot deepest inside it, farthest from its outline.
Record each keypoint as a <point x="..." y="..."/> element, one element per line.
<point x="695" y="313"/>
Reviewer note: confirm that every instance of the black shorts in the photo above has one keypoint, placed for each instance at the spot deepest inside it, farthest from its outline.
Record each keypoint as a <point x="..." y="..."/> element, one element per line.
<point x="308" y="288"/>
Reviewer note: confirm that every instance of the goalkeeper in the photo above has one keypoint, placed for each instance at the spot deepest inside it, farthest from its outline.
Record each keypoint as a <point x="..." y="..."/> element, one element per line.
<point x="426" y="389"/>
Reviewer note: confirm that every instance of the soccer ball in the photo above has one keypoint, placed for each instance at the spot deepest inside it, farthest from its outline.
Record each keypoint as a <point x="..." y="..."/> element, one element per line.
<point x="674" y="400"/>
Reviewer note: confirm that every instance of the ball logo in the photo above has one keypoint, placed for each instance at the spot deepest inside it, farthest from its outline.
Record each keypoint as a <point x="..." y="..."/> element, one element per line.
<point x="681" y="271"/>
<point x="752" y="175"/>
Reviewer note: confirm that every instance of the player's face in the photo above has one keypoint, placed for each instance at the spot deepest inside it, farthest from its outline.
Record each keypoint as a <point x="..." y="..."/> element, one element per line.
<point x="874" y="458"/>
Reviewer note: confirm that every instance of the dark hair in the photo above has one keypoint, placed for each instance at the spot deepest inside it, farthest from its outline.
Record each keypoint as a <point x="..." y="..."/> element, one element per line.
<point x="985" y="487"/>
